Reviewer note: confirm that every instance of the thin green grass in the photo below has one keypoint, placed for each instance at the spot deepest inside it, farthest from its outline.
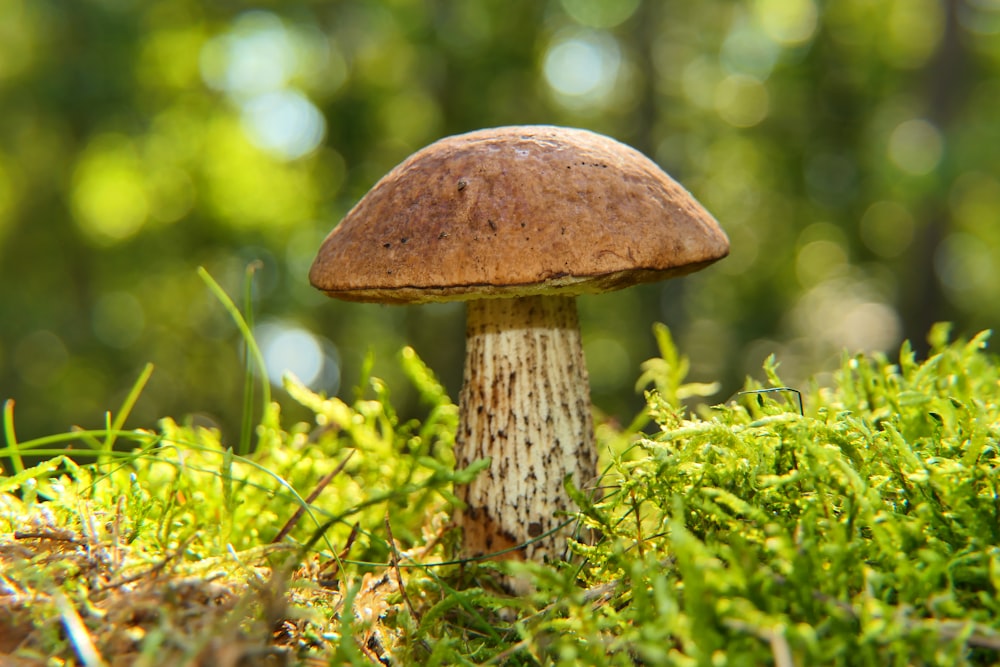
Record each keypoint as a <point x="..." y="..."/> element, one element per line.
<point x="254" y="357"/>
<point x="860" y="528"/>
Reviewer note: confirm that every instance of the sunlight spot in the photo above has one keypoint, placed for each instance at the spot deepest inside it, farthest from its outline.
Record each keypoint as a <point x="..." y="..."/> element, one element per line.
<point x="741" y="101"/>
<point x="822" y="254"/>
<point x="284" y="123"/>
<point x="844" y="313"/>
<point x="916" y="146"/>
<point x="818" y="261"/>
<point x="109" y="191"/>
<point x="913" y="32"/>
<point x="255" y="56"/>
<point x="964" y="264"/>
<point x="289" y="348"/>
<point x="583" y="68"/>
<point x="246" y="188"/>
<point x="699" y="81"/>
<point x="869" y="325"/>
<point x="255" y="63"/>
<point x="787" y="22"/>
<point x="747" y="50"/>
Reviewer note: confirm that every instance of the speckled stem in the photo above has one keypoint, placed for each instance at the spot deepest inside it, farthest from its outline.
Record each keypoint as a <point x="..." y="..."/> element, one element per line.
<point x="525" y="404"/>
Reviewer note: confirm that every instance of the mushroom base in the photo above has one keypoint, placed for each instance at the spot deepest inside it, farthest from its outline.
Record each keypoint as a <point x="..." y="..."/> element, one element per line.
<point x="525" y="404"/>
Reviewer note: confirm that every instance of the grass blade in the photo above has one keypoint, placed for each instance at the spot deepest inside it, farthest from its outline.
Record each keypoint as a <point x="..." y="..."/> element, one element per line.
<point x="115" y="426"/>
<point x="247" y="426"/>
<point x="246" y="331"/>
<point x="14" y="452"/>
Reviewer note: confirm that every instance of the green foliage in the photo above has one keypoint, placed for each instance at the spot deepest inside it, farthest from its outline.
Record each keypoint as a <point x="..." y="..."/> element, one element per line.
<point x="668" y="372"/>
<point x="186" y="469"/>
<point x="177" y="503"/>
<point x="863" y="532"/>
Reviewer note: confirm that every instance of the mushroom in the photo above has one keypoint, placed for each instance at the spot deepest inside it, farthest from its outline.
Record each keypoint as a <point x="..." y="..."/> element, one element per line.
<point x="518" y="221"/>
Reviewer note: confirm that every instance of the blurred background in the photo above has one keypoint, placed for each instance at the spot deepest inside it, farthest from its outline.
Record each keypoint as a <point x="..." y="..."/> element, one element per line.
<point x="850" y="149"/>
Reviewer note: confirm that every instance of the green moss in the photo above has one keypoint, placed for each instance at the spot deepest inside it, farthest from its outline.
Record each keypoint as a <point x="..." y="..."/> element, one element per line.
<point x="864" y="530"/>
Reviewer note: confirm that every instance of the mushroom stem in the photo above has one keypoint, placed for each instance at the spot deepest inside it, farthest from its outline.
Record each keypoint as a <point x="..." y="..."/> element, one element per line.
<point x="525" y="404"/>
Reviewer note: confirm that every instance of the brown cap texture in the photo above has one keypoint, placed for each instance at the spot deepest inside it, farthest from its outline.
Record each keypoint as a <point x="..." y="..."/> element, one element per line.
<point x="516" y="211"/>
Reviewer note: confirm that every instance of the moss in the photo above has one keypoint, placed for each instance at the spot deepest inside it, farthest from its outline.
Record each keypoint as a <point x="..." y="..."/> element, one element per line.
<point x="863" y="529"/>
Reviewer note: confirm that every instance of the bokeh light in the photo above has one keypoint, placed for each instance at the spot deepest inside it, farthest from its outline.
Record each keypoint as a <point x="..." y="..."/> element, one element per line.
<point x="787" y="22"/>
<point x="288" y="348"/>
<point x="887" y="228"/>
<point x="249" y="189"/>
<point x="285" y="123"/>
<point x="967" y="269"/>
<point x="843" y="313"/>
<point x="582" y="67"/>
<point x="916" y="146"/>
<point x="742" y="101"/>
<point x="255" y="56"/>
<point x="749" y="50"/>
<point x="914" y="30"/>
<point x="256" y="63"/>
<point x="109" y="190"/>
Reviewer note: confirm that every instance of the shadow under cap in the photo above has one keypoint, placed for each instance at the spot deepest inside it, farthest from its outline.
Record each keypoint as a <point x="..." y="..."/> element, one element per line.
<point x="516" y="211"/>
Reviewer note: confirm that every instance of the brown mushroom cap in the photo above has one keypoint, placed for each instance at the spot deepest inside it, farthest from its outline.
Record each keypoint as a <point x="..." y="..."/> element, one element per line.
<point x="516" y="211"/>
